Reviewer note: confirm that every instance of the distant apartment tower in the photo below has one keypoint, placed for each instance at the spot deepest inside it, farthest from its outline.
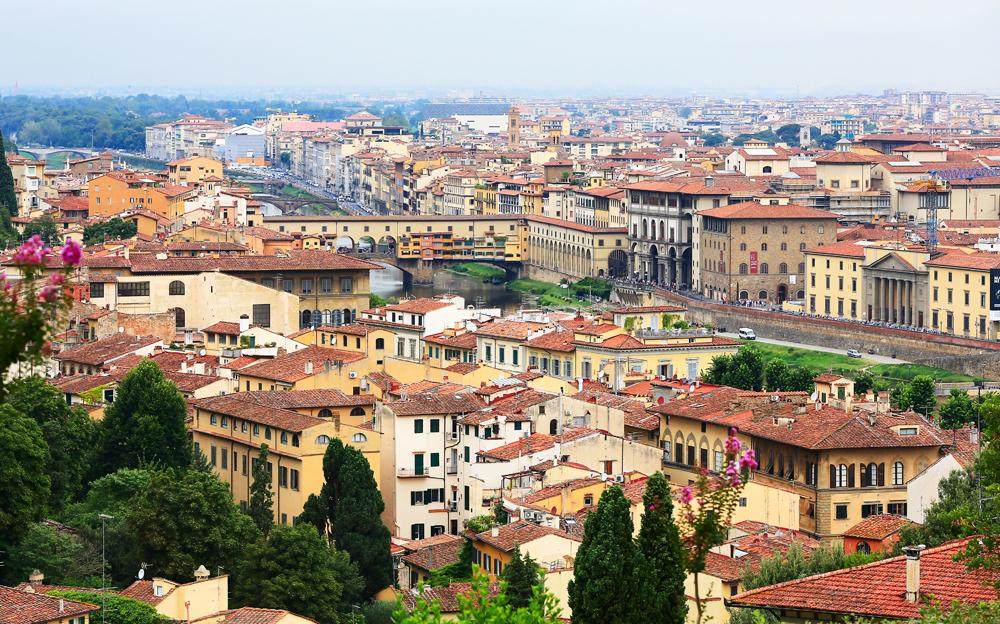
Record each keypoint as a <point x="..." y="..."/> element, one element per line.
<point x="241" y="142"/>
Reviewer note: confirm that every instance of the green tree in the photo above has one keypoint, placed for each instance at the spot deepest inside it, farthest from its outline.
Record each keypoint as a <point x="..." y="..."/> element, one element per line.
<point x="607" y="566"/>
<point x="24" y="486"/>
<point x="374" y="301"/>
<point x="68" y="432"/>
<point x="8" y="200"/>
<point x="919" y="396"/>
<point x="117" y="609"/>
<point x="348" y="509"/>
<point x="261" y="508"/>
<point x="958" y="410"/>
<point x="500" y="515"/>
<point x="744" y="370"/>
<point x="522" y="575"/>
<point x="825" y="560"/>
<point x="298" y="570"/>
<point x="773" y="570"/>
<point x="685" y="112"/>
<point x="717" y="369"/>
<point x="789" y="134"/>
<point x="949" y="517"/>
<point x="714" y="139"/>
<point x="112" y="229"/>
<point x="479" y="607"/>
<point x="285" y="159"/>
<point x="62" y="559"/>
<point x="800" y="379"/>
<point x="659" y="544"/>
<point x="144" y="425"/>
<point x="184" y="519"/>
<point x="863" y="382"/>
<point x="457" y="571"/>
<point x="776" y="375"/>
<point x="46" y="228"/>
<point x="827" y="141"/>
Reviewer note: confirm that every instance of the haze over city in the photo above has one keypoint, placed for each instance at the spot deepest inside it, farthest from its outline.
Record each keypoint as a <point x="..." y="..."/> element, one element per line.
<point x="256" y="48"/>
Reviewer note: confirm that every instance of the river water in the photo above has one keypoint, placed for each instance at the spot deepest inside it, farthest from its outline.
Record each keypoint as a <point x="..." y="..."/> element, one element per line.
<point x="389" y="283"/>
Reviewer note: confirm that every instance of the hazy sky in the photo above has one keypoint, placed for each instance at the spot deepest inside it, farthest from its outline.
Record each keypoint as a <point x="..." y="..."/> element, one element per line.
<point x="630" y="47"/>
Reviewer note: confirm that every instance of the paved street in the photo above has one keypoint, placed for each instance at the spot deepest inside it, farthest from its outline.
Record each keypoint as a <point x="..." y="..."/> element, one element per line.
<point x="881" y="359"/>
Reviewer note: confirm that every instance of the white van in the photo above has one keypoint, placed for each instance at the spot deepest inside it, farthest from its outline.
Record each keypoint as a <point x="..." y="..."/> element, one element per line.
<point x="747" y="334"/>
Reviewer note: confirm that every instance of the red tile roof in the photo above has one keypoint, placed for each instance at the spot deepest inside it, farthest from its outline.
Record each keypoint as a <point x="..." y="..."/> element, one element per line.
<point x="879" y="589"/>
<point x="844" y="157"/>
<point x="291" y="367"/>
<point x="234" y="405"/>
<point x="425" y="403"/>
<point x="293" y="399"/>
<point x="224" y="327"/>
<point x="19" y="607"/>
<point x="878" y="527"/>
<point x="844" y="248"/>
<point x="553" y="341"/>
<point x="446" y="597"/>
<point x="755" y="210"/>
<point x="107" y="349"/>
<point x="510" y="535"/>
<point x="250" y="615"/>
<point x="981" y="261"/>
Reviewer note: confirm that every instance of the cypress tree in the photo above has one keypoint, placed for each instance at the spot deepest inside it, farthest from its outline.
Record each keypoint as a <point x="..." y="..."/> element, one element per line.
<point x="660" y="546"/>
<point x="607" y="570"/>
<point x="348" y="511"/>
<point x="521" y="575"/>
<point x="8" y="200"/>
<point x="144" y="425"/>
<point x="261" y="508"/>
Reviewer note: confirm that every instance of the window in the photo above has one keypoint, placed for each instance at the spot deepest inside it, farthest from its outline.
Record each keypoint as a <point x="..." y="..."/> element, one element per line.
<point x="840" y="473"/>
<point x="435" y="460"/>
<point x="282" y="476"/>
<point x="907" y="431"/>
<point x="262" y="314"/>
<point x="763" y="246"/>
<point x="212" y="456"/>
<point x="418" y="425"/>
<point x="764" y="268"/>
<point x="435" y="425"/>
<point x="286" y="285"/>
<point x="871" y="509"/>
<point x="307" y="286"/>
<point x="214" y="420"/>
<point x="295" y="440"/>
<point x="359" y="437"/>
<point x="841" y="511"/>
<point x="897" y="474"/>
<point x="96" y="290"/>
<point x="783" y="268"/>
<point x="345" y="285"/>
<point x="176" y="287"/>
<point x="322" y="439"/>
<point x="256" y="430"/>
<point x="744" y="269"/>
<point x="294" y="481"/>
<point x="284" y="437"/>
<point x="133" y="289"/>
<point x="897" y="509"/>
<point x="784" y="246"/>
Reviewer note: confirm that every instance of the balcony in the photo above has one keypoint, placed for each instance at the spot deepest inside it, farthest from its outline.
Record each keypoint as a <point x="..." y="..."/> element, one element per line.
<point x="672" y="333"/>
<point x="453" y="469"/>
<point x="413" y="472"/>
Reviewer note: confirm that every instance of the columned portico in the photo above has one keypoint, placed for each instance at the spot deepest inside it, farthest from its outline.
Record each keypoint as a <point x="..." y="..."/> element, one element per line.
<point x="893" y="299"/>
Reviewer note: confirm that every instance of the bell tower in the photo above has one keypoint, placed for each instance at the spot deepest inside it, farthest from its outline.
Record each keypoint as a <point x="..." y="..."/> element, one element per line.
<point x="513" y="128"/>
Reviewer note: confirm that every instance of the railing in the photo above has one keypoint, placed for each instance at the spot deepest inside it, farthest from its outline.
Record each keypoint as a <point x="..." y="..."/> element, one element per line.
<point x="413" y="472"/>
<point x="671" y="333"/>
<point x="453" y="469"/>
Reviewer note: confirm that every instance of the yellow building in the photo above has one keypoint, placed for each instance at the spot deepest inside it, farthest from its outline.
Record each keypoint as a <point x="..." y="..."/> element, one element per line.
<point x="230" y="430"/>
<point x="311" y="368"/>
<point x="551" y="548"/>
<point x="113" y="193"/>
<point x="960" y="294"/>
<point x="193" y="171"/>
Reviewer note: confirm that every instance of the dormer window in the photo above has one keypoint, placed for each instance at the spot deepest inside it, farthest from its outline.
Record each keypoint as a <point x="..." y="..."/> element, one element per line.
<point x="908" y="431"/>
<point x="157" y="590"/>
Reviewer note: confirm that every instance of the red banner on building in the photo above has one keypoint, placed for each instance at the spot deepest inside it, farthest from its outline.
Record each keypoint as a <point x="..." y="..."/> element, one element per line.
<point x="753" y="261"/>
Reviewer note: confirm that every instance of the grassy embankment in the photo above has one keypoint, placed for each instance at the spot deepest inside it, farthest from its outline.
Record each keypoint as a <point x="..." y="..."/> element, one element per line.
<point x="554" y="296"/>
<point x="822" y="362"/>
<point x="482" y="271"/>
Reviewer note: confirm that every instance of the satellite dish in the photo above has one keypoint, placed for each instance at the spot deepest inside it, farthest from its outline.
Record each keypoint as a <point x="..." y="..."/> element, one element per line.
<point x="202" y="352"/>
<point x="142" y="573"/>
<point x="813" y="396"/>
<point x="691" y="388"/>
<point x="121" y="330"/>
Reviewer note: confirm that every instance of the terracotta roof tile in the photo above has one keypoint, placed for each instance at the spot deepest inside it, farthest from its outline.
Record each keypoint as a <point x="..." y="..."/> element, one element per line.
<point x="234" y="405"/>
<point x="878" y="527"/>
<point x="102" y="351"/>
<point x="755" y="210"/>
<point x="510" y="535"/>
<point x="446" y="597"/>
<point x="291" y="366"/>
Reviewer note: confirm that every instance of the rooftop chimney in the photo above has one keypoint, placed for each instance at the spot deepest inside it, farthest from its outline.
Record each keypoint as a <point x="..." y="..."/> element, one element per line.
<point x="36" y="577"/>
<point x="495" y="531"/>
<point x="62" y="606"/>
<point x="244" y="323"/>
<point x="430" y="558"/>
<point x="309" y="368"/>
<point x="201" y="573"/>
<point x="913" y="572"/>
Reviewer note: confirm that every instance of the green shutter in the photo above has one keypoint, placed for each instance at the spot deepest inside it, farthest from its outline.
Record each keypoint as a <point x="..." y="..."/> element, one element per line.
<point x="418" y="464"/>
<point x="413" y="498"/>
<point x="435" y="460"/>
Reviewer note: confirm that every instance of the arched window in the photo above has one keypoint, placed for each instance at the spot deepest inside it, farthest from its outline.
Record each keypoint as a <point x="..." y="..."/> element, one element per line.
<point x="267" y="433"/>
<point x="553" y="427"/>
<point x="744" y="294"/>
<point x="897" y="473"/>
<point x="225" y="423"/>
<point x="802" y="267"/>
<point x="784" y="246"/>
<point x="176" y="287"/>
<point x="841" y="476"/>
<point x="180" y="318"/>
<point x="358" y="411"/>
<point x="743" y="246"/>
<point x="782" y="268"/>
<point x="284" y="437"/>
<point x="781" y="464"/>
<point x="762" y="295"/>
<point x="743" y="269"/>
<point x="763" y="268"/>
<point x="256" y="430"/>
<point x="379" y="344"/>
<point x="802" y="246"/>
<point x="295" y="440"/>
<point x="72" y="370"/>
<point x="325" y="413"/>
<point x="766" y="169"/>
<point x="873" y="475"/>
<point x="864" y="548"/>
<point x="323" y="439"/>
<point x="359" y="437"/>
<point x="784" y="229"/>
<point x="800" y="295"/>
<point x="306" y="319"/>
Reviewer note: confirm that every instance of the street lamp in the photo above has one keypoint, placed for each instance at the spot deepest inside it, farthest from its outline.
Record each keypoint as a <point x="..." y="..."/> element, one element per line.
<point x="104" y="564"/>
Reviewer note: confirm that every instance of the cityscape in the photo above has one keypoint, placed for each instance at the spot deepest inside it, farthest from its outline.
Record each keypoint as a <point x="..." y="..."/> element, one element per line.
<point x="372" y="348"/>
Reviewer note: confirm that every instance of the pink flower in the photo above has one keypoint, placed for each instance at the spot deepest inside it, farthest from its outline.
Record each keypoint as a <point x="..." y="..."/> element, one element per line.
<point x="71" y="252"/>
<point x="652" y="507"/>
<point x="56" y="278"/>
<point x="686" y="495"/>
<point x="733" y="446"/>
<point x="33" y="251"/>
<point x="49" y="293"/>
<point x="749" y="461"/>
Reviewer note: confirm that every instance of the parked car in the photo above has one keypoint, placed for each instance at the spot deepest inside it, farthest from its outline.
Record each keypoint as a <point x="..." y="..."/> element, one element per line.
<point x="853" y="353"/>
<point x="747" y="334"/>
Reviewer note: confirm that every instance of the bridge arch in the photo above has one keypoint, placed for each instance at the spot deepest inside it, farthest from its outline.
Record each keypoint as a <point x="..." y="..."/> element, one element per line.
<point x="344" y="242"/>
<point x="366" y="244"/>
<point x="387" y="244"/>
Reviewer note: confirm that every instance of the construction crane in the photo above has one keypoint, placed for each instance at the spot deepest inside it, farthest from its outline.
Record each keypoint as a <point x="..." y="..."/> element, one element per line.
<point x="937" y="192"/>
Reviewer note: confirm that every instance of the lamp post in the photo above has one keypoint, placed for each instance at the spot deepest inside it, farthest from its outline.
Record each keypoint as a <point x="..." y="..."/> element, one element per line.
<point x="104" y="564"/>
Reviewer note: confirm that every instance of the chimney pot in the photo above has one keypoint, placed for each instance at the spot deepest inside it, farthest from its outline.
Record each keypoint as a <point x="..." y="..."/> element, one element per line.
<point x="36" y="577"/>
<point x="495" y="531"/>
<point x="62" y="606"/>
<point x="913" y="572"/>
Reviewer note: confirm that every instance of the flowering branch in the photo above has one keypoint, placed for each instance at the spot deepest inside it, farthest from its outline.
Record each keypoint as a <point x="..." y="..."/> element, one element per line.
<point x="30" y="303"/>
<point x="707" y="508"/>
